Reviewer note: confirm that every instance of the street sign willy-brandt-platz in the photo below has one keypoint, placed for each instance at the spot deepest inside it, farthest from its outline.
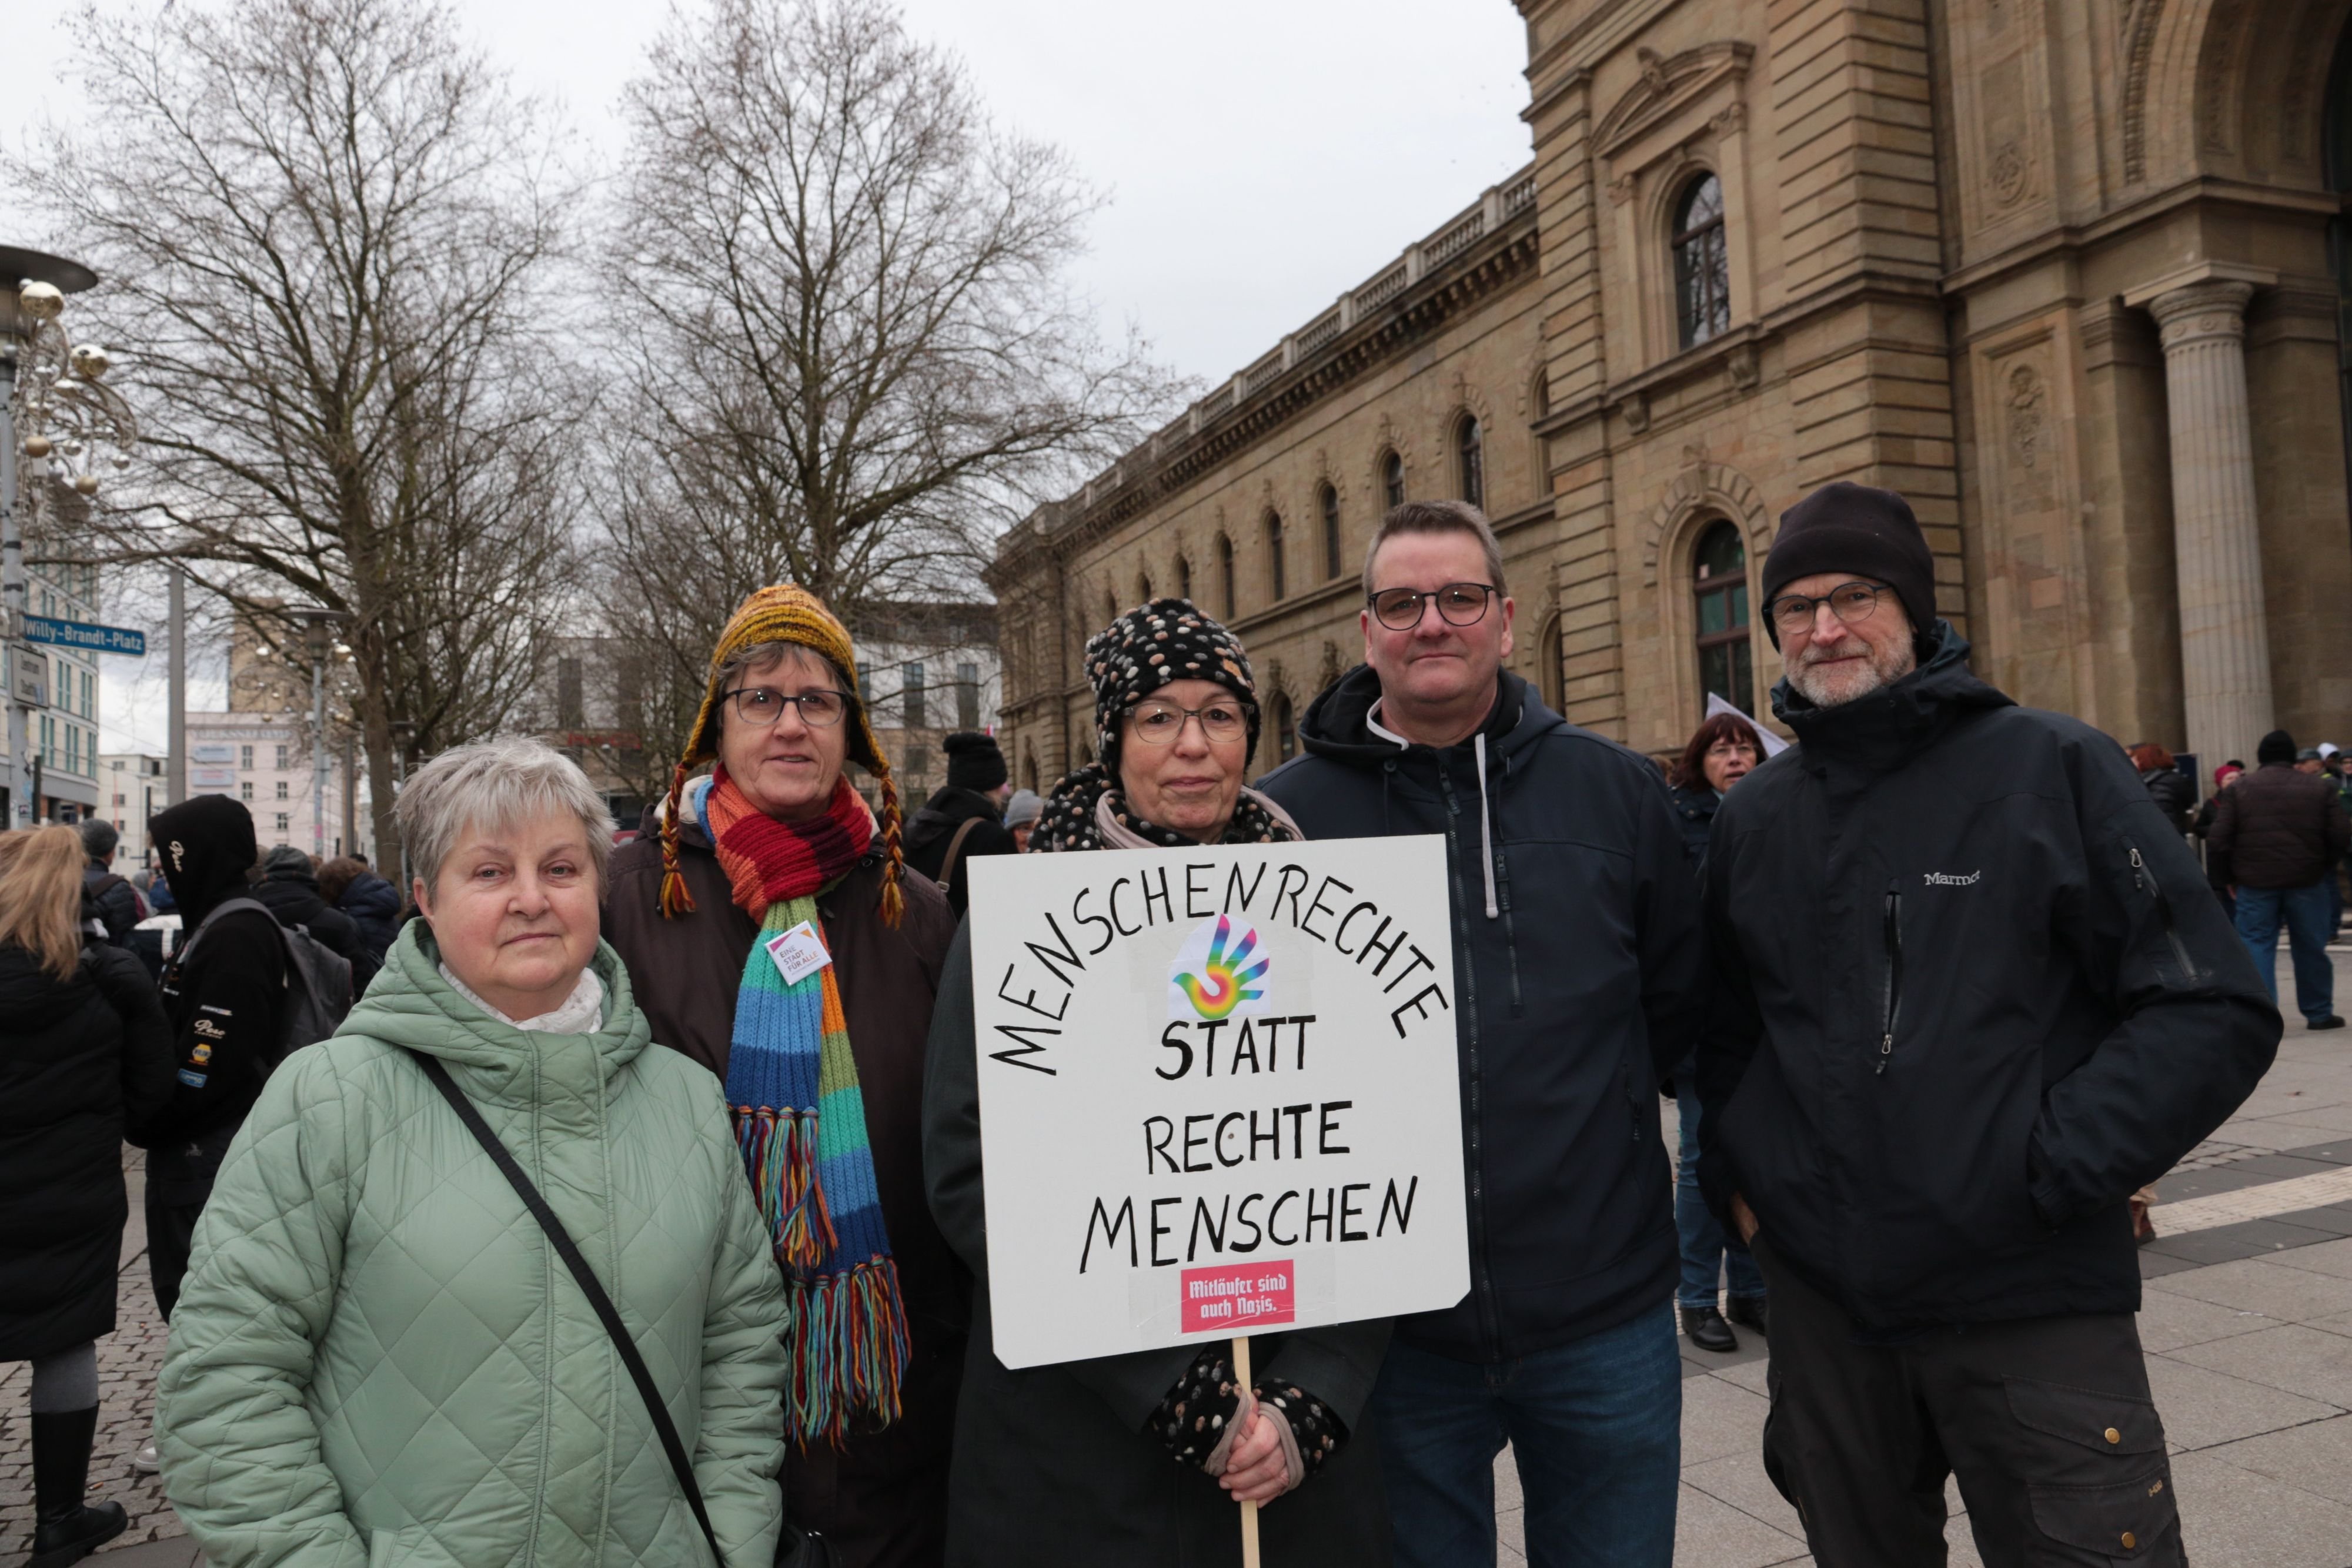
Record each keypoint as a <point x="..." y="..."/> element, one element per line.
<point x="1217" y="1091"/>
<point x="85" y="636"/>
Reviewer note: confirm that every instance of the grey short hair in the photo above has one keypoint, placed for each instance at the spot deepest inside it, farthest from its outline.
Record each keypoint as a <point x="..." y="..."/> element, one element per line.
<point x="1436" y="518"/>
<point x="495" y="783"/>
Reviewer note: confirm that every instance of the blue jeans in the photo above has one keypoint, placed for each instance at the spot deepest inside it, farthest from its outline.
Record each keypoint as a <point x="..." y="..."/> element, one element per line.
<point x="1706" y="1251"/>
<point x="1595" y="1425"/>
<point x="2304" y="911"/>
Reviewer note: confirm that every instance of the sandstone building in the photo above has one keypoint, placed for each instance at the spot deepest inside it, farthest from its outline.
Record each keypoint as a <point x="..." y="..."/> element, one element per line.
<point x="2068" y="273"/>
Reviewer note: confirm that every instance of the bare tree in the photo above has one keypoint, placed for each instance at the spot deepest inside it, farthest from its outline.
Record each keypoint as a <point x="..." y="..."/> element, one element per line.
<point x="854" y="357"/>
<point x="328" y="235"/>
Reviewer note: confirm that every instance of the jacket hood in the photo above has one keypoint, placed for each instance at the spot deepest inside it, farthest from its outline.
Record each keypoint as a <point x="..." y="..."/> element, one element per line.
<point x="286" y="864"/>
<point x="409" y="1004"/>
<point x="1338" y="723"/>
<point x="371" y="894"/>
<point x="1895" y="723"/>
<point x="207" y="846"/>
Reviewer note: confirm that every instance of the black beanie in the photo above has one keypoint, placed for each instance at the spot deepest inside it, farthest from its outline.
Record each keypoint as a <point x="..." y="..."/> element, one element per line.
<point x="974" y="761"/>
<point x="1850" y="528"/>
<point x="2278" y="745"/>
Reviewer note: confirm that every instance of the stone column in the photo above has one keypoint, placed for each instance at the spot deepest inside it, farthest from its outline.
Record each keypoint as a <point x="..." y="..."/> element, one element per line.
<point x="2225" y="658"/>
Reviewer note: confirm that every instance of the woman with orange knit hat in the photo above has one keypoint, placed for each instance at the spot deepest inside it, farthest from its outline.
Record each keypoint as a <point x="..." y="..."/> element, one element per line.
<point x="772" y="934"/>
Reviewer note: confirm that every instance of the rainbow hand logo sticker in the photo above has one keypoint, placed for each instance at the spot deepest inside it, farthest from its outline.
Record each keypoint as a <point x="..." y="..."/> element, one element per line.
<point x="1220" y="981"/>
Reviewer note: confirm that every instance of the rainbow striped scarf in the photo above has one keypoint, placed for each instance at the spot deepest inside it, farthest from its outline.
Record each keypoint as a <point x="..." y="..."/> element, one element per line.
<point x="800" y="1118"/>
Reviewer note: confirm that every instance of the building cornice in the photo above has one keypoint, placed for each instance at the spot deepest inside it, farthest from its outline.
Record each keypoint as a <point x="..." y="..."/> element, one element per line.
<point x="2070" y="239"/>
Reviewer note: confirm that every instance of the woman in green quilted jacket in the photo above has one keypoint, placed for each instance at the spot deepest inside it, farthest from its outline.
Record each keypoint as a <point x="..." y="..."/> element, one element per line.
<point x="377" y="1356"/>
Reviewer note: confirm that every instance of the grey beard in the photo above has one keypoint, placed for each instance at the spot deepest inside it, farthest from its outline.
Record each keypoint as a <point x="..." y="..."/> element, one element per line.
<point x="1883" y="670"/>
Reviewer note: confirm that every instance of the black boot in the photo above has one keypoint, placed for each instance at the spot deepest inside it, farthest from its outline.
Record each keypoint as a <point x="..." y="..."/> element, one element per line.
<point x="1750" y="1312"/>
<point x="1707" y="1329"/>
<point x="64" y="1529"/>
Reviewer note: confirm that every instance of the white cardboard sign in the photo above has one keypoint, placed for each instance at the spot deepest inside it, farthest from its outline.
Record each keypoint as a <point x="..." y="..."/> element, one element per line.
<point x="1218" y="1092"/>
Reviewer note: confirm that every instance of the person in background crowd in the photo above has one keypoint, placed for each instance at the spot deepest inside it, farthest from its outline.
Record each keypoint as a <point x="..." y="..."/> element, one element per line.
<point x="289" y="888"/>
<point x="223" y="997"/>
<point x="963" y="818"/>
<point x="1021" y="815"/>
<point x="1580" y="983"/>
<point x="776" y="837"/>
<point x="369" y="902"/>
<point x="1969" y="996"/>
<point x="85" y="1060"/>
<point x="118" y="904"/>
<point x="1721" y="752"/>
<point x="378" y="1356"/>
<point x="1070" y="1464"/>
<point x="2228" y="774"/>
<point x="2280" y="834"/>
<point x="2173" y="792"/>
<point x="2338" y="774"/>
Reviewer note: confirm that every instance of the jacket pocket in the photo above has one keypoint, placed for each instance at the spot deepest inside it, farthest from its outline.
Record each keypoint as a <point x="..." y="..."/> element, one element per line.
<point x="2144" y="881"/>
<point x="1893" y="1002"/>
<point x="2096" y="1472"/>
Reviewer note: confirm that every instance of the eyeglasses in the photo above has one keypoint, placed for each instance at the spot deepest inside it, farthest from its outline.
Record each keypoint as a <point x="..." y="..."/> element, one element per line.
<point x="1731" y="748"/>
<point x="1461" y="604"/>
<point x="1852" y="602"/>
<point x="761" y="706"/>
<point x="1159" y="722"/>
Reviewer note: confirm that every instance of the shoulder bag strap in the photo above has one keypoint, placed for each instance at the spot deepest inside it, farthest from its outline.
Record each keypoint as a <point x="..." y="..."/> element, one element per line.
<point x="955" y="848"/>
<point x="590" y="1286"/>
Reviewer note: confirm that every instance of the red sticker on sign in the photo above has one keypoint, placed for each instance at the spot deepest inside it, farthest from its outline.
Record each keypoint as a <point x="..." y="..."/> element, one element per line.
<point x="1239" y="1297"/>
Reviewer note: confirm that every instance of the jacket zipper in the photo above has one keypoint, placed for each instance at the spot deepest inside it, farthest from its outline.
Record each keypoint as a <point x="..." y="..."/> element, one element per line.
<point x="1475" y="1124"/>
<point x="1894" y="975"/>
<point x="2145" y="880"/>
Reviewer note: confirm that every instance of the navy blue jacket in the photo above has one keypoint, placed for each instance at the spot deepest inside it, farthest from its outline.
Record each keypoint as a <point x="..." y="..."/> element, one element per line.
<point x="1970" y="993"/>
<point x="1579" y="971"/>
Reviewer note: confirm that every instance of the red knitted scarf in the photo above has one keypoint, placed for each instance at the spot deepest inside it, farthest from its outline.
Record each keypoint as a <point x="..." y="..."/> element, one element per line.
<point x="767" y="860"/>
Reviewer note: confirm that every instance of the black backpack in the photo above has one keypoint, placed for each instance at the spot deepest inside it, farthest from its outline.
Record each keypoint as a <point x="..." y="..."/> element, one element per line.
<point x="317" y="980"/>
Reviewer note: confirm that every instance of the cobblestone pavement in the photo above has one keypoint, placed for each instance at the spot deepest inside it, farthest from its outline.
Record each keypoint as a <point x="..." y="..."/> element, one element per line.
<point x="2247" y="1322"/>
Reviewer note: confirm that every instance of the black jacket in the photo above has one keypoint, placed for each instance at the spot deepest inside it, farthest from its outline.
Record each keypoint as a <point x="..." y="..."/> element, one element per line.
<point x="82" y="1062"/>
<point x="116" y="900"/>
<point x="293" y="896"/>
<point x="2277" y="828"/>
<point x="1970" y="993"/>
<point x="933" y="829"/>
<point x="2174" y="793"/>
<point x="372" y="905"/>
<point x="1696" y="805"/>
<point x="1580" y="987"/>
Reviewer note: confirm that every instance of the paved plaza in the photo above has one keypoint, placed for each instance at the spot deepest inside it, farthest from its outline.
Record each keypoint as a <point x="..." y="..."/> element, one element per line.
<point x="2247" y="1320"/>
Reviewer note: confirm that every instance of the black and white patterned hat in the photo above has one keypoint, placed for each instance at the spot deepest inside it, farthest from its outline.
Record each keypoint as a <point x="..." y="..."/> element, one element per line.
<point x="1152" y="645"/>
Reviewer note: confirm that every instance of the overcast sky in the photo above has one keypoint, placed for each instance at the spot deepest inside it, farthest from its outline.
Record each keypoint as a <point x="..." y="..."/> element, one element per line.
<point x="1257" y="157"/>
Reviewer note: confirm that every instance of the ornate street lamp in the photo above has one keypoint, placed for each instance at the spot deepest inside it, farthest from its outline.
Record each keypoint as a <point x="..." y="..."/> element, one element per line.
<point x="59" y="420"/>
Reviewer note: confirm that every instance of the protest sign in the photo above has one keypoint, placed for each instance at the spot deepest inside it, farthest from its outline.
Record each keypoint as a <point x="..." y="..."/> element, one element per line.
<point x="1218" y="1092"/>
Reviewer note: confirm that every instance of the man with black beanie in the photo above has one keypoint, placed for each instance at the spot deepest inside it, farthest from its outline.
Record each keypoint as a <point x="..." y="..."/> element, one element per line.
<point x="1970" y="994"/>
<point x="117" y="903"/>
<point x="964" y="817"/>
<point x="2276" y="838"/>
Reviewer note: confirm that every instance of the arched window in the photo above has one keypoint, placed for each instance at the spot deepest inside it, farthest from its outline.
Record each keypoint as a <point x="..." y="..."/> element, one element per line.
<point x="1702" y="265"/>
<point x="1286" y="727"/>
<point x="1226" y="575"/>
<point x="1274" y="555"/>
<point x="1143" y="588"/>
<point x="1029" y="771"/>
<point x="1110" y="605"/>
<point x="1726" y="651"/>
<point x="1392" y="479"/>
<point x="1470" y="449"/>
<point x="1553" y="674"/>
<point x="1330" y="506"/>
<point x="1183" y="578"/>
<point x="1541" y="398"/>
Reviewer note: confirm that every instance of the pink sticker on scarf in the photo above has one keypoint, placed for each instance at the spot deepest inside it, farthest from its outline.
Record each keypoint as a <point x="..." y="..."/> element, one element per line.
<point x="1238" y="1298"/>
<point x="799" y="953"/>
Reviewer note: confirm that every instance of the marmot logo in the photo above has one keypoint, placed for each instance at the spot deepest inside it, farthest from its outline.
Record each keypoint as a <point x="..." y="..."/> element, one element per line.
<point x="1946" y="879"/>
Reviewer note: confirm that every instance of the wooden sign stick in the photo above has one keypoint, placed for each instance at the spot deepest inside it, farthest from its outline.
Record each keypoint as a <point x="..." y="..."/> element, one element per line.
<point x="1249" y="1509"/>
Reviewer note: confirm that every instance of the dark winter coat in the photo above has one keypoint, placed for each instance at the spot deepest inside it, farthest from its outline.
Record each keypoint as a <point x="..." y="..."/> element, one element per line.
<point x="372" y="905"/>
<point x="881" y="1500"/>
<point x="2278" y="827"/>
<point x="293" y="896"/>
<point x="82" y="1062"/>
<point x="117" y="902"/>
<point x="1972" y="992"/>
<point x="1053" y="1463"/>
<point x="1578" y="973"/>
<point x="1696" y="805"/>
<point x="932" y="829"/>
<point x="2175" y="795"/>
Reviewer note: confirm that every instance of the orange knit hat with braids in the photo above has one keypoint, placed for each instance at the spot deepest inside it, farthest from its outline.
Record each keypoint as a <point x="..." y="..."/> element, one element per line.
<point x="785" y="613"/>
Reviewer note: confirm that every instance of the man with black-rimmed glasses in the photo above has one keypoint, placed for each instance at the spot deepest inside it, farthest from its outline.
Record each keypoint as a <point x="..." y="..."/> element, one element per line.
<point x="1970" y="993"/>
<point x="1576" y="975"/>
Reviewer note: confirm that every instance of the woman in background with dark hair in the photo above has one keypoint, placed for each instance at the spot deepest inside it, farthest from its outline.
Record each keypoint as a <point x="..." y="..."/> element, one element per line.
<point x="1721" y="752"/>
<point x="2172" y="790"/>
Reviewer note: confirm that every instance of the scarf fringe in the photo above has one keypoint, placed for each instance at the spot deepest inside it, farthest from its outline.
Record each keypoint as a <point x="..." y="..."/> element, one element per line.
<point x="779" y="1150"/>
<point x="848" y="1349"/>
